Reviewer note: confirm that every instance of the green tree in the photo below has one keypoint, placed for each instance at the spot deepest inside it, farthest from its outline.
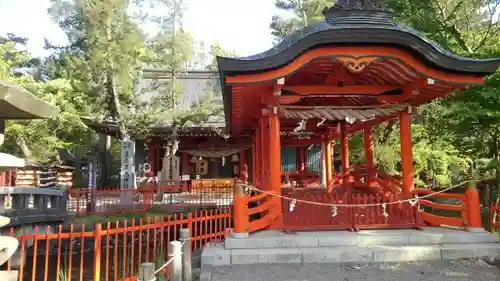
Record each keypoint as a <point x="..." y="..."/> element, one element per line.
<point x="40" y="139"/>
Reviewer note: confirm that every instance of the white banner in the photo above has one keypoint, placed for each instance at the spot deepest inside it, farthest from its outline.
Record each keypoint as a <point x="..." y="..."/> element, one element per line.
<point x="127" y="174"/>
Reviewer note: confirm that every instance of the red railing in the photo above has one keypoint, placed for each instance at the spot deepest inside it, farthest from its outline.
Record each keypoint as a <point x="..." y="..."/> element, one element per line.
<point x="358" y="211"/>
<point x="111" y="251"/>
<point x="494" y="219"/>
<point x="440" y="214"/>
<point x="112" y="201"/>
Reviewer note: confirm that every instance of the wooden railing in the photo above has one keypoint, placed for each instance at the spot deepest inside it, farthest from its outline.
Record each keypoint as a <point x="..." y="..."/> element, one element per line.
<point x="443" y="214"/>
<point x="252" y="211"/>
<point x="111" y="251"/>
<point x="465" y="213"/>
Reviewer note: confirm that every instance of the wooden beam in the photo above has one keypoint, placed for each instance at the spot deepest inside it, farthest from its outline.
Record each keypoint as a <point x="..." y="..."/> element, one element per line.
<point x="273" y="100"/>
<point x="288" y="142"/>
<point x="307" y="90"/>
<point x="372" y="122"/>
<point x="408" y="91"/>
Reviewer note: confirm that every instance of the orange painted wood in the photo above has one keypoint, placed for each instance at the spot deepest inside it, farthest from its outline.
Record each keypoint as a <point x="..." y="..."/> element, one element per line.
<point x="266" y="206"/>
<point x="258" y="197"/>
<point x="368" y="145"/>
<point x="422" y="191"/>
<point x="430" y="204"/>
<point x="261" y="223"/>
<point x="358" y="52"/>
<point x="303" y="216"/>
<point x="406" y="151"/>
<point x="306" y="90"/>
<point x="473" y="207"/>
<point x="328" y="164"/>
<point x="435" y="220"/>
<point x="344" y="150"/>
<point x="275" y="164"/>
<point x="273" y="100"/>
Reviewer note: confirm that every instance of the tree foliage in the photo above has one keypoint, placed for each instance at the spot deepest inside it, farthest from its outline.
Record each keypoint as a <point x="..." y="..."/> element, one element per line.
<point x="97" y="74"/>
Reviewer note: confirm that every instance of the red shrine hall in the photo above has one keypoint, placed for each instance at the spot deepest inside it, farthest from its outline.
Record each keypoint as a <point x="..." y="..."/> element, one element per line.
<point x="346" y="74"/>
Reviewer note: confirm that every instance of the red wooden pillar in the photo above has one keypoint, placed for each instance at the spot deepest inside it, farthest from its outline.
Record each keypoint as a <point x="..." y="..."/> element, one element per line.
<point x="344" y="152"/>
<point x="243" y="170"/>
<point x="327" y="154"/>
<point x="254" y="159"/>
<point x="258" y="155"/>
<point x="274" y="150"/>
<point x="406" y="149"/>
<point x="369" y="154"/>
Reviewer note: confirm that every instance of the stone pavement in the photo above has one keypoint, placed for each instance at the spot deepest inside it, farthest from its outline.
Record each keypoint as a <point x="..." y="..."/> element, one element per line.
<point x="461" y="270"/>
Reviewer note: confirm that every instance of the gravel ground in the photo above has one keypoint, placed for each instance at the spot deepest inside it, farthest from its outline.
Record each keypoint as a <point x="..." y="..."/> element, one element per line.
<point x="470" y="270"/>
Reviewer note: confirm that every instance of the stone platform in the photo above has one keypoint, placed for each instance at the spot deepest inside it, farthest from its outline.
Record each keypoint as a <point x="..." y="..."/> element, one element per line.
<point x="430" y="244"/>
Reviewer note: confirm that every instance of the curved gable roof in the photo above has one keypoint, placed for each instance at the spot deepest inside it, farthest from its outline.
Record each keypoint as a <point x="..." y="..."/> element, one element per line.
<point x="351" y="23"/>
<point x="355" y="24"/>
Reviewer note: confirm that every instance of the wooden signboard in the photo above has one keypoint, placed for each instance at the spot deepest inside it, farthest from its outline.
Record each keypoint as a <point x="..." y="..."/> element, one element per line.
<point x="202" y="167"/>
<point x="225" y="184"/>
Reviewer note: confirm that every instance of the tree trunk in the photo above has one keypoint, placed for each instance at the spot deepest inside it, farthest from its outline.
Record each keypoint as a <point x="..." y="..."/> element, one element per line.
<point x="114" y="105"/>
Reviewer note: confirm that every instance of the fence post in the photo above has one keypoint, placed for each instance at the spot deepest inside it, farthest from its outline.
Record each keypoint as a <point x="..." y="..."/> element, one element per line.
<point x="473" y="209"/>
<point x="175" y="267"/>
<point x="186" y="255"/>
<point x="97" y="252"/>
<point x="240" y="206"/>
<point x="147" y="272"/>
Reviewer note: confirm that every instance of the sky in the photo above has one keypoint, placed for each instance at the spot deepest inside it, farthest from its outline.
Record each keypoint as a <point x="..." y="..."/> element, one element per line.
<point x="239" y="25"/>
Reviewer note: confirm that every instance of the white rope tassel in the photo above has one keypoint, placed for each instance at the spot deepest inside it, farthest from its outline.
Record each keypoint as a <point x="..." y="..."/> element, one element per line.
<point x="300" y="127"/>
<point x="384" y="210"/>
<point x="223" y="161"/>
<point x="320" y="123"/>
<point x="413" y="201"/>
<point x="292" y="205"/>
<point x="334" y="210"/>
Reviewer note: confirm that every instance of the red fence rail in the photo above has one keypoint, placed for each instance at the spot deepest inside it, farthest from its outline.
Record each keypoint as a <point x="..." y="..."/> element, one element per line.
<point x="113" y="201"/>
<point x="370" y="213"/>
<point x="112" y="251"/>
<point x="441" y="214"/>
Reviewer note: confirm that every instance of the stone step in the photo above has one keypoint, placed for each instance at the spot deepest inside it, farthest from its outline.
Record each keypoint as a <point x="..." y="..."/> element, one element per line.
<point x="217" y="255"/>
<point x="428" y="236"/>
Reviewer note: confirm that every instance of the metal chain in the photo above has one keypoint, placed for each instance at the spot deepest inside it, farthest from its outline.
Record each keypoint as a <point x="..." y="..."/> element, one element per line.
<point x="411" y="200"/>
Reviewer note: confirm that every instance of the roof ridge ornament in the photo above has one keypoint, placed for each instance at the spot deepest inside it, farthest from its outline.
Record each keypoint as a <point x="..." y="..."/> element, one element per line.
<point x="359" y="5"/>
<point x="358" y="12"/>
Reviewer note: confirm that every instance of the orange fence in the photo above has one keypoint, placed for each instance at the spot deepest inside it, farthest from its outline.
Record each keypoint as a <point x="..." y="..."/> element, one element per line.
<point x="494" y="220"/>
<point x="443" y="214"/>
<point x="462" y="210"/>
<point x="112" y="201"/>
<point x="112" y="251"/>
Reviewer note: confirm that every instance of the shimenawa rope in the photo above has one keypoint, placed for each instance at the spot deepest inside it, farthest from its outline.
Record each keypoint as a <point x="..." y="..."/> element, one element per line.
<point x="412" y="201"/>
